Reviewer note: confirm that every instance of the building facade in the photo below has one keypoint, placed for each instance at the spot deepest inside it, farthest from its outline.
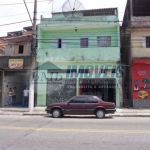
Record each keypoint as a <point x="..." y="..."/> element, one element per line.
<point x="135" y="51"/>
<point x="15" y="65"/>
<point x="79" y="55"/>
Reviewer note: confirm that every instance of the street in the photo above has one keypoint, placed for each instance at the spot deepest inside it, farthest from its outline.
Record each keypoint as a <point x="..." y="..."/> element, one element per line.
<point x="73" y="133"/>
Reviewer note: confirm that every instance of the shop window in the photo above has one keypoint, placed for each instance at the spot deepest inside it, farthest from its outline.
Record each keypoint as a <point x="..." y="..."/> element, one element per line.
<point x="21" y="49"/>
<point x="84" y="42"/>
<point x="104" y="41"/>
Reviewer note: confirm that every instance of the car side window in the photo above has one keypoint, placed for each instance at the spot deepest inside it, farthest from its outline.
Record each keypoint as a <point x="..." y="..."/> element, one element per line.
<point x="79" y="100"/>
<point x="71" y="101"/>
<point x="92" y="100"/>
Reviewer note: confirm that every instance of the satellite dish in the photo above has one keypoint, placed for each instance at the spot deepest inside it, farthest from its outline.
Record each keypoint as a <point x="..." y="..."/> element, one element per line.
<point x="70" y="7"/>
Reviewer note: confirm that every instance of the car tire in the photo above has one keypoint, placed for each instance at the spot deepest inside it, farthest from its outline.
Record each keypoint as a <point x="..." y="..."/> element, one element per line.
<point x="100" y="113"/>
<point x="56" y="113"/>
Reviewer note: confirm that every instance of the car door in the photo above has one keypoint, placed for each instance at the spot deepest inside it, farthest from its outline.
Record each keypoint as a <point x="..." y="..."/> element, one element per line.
<point x="91" y="105"/>
<point x="76" y="106"/>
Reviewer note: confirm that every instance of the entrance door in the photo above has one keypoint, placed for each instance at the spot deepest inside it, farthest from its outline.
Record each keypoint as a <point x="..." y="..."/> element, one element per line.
<point x="76" y="106"/>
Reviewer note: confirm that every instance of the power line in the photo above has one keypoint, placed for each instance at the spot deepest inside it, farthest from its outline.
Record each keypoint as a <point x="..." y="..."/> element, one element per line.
<point x="22" y="3"/>
<point x="15" y="23"/>
<point x="27" y="10"/>
<point x="21" y="14"/>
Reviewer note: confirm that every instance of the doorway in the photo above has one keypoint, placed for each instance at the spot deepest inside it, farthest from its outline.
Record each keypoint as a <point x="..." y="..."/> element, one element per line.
<point x="105" y="89"/>
<point x="18" y="79"/>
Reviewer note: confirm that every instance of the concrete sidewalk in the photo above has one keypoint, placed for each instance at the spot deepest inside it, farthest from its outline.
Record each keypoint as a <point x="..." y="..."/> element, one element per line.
<point x="40" y="111"/>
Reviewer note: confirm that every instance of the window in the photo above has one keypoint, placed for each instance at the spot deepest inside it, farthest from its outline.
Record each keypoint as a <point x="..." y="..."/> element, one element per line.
<point x="148" y="42"/>
<point x="84" y="42"/>
<point x="104" y="41"/>
<point x="79" y="100"/>
<point x="92" y="100"/>
<point x="71" y="101"/>
<point x="59" y="43"/>
<point x="21" y="48"/>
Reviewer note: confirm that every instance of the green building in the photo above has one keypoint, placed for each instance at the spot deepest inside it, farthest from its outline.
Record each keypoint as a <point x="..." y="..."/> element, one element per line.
<point x="79" y="54"/>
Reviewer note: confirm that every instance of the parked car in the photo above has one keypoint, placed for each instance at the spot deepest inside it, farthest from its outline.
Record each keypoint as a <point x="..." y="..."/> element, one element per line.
<point x="81" y="105"/>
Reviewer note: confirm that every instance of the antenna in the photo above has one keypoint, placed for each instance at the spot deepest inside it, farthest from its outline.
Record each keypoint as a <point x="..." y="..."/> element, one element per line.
<point x="70" y="7"/>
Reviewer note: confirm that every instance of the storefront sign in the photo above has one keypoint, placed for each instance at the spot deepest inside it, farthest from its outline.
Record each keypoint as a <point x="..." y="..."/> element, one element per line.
<point x="15" y="63"/>
<point x="141" y="81"/>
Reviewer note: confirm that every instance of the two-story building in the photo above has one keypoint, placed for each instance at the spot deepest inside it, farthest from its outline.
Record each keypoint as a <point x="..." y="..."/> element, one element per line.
<point x="15" y="64"/>
<point x="79" y="55"/>
<point x="135" y="51"/>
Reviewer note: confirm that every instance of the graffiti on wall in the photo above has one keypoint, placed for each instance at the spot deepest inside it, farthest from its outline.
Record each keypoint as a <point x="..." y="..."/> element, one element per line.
<point x="60" y="91"/>
<point x="141" y="81"/>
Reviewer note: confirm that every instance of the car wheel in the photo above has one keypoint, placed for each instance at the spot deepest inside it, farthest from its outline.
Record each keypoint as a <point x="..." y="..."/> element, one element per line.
<point x="100" y="113"/>
<point x="56" y="113"/>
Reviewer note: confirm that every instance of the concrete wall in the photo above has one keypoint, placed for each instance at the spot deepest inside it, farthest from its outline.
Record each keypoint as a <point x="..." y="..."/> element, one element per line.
<point x="2" y="53"/>
<point x="12" y="50"/>
<point x="138" y="43"/>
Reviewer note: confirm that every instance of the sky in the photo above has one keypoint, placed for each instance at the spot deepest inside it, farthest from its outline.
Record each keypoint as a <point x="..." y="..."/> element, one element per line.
<point x="14" y="11"/>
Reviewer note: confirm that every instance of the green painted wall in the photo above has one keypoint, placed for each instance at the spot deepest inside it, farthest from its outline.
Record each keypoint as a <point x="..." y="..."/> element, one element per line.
<point x="72" y="50"/>
<point x="91" y="27"/>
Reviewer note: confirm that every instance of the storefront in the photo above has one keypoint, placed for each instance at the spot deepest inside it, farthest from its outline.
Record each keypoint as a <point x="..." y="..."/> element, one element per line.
<point x="15" y="74"/>
<point x="60" y="84"/>
<point x="105" y="89"/>
<point x="141" y="83"/>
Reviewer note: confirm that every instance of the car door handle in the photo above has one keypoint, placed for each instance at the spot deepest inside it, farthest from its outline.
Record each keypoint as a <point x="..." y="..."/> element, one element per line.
<point x="83" y="105"/>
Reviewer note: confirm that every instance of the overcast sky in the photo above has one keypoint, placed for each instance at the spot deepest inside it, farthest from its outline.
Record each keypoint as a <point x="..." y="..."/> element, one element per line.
<point x="17" y="13"/>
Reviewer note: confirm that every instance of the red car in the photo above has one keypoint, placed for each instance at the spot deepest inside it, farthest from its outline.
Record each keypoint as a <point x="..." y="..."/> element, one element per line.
<point x="81" y="105"/>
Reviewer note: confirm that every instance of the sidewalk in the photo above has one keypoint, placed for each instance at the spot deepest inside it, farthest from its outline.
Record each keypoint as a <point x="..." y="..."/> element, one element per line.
<point x="40" y="111"/>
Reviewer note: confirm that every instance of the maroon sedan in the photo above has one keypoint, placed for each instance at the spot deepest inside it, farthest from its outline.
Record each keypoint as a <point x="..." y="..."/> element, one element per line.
<point x="81" y="105"/>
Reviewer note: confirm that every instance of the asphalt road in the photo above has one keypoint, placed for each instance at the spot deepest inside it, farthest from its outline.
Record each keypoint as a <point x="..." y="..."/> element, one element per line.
<point x="76" y="133"/>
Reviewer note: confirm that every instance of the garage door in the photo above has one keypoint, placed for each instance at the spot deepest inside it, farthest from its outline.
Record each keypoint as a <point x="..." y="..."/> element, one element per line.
<point x="60" y="91"/>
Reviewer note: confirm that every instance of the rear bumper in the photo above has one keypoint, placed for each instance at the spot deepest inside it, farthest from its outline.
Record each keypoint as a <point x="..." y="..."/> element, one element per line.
<point x="110" y="111"/>
<point x="48" y="110"/>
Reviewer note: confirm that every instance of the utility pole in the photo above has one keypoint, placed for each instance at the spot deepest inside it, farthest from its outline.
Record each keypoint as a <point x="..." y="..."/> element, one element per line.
<point x="33" y="58"/>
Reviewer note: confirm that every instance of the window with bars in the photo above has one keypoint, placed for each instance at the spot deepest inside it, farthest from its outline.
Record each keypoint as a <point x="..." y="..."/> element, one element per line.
<point x="104" y="41"/>
<point x="84" y="42"/>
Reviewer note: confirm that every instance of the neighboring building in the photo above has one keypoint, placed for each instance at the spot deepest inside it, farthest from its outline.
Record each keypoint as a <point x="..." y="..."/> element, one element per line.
<point x="2" y="47"/>
<point x="79" y="55"/>
<point x="2" y="53"/>
<point x="136" y="54"/>
<point x="15" y="65"/>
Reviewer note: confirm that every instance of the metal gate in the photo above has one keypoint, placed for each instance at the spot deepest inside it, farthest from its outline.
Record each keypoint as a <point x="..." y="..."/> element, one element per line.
<point x="60" y="91"/>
